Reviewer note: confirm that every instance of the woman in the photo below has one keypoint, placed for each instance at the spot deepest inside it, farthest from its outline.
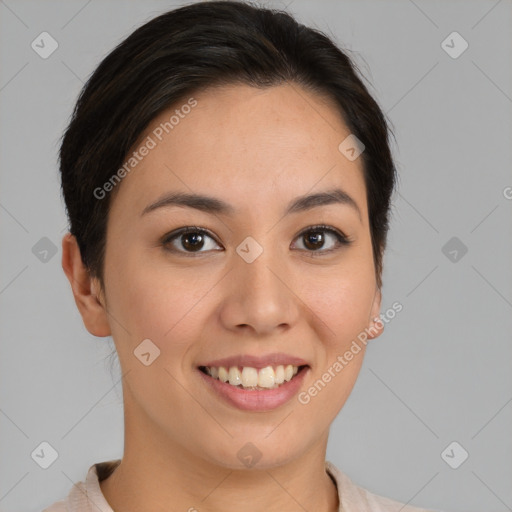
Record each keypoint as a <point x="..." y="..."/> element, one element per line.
<point x="227" y="178"/>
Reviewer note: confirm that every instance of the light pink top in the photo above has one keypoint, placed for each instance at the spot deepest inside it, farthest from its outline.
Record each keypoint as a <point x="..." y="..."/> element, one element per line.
<point x="87" y="496"/>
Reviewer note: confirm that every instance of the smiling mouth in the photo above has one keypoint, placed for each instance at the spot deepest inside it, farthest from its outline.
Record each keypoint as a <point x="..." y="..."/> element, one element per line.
<point x="249" y="378"/>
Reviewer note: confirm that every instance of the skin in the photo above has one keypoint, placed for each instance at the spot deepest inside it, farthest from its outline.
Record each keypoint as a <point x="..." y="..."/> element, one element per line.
<point x="256" y="149"/>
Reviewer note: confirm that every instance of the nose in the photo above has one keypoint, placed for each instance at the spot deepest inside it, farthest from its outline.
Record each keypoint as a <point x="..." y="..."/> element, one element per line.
<point x="260" y="296"/>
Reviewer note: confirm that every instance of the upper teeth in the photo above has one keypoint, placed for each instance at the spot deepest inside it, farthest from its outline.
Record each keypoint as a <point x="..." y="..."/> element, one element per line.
<point x="267" y="377"/>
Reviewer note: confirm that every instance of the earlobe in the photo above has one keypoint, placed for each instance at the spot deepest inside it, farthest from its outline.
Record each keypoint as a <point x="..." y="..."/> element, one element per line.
<point x="85" y="288"/>
<point x="376" y="326"/>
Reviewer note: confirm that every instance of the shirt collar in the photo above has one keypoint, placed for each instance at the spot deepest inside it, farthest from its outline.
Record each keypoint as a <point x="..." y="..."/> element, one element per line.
<point x="88" y="497"/>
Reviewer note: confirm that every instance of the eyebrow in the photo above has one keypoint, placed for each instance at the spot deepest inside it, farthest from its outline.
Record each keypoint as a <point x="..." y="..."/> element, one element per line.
<point x="210" y="204"/>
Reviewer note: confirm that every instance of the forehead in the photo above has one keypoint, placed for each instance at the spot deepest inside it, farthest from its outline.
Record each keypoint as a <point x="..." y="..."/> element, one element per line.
<point x="246" y="145"/>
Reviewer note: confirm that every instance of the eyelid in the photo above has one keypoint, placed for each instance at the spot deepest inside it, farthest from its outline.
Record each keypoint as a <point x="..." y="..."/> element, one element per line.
<point x="342" y="239"/>
<point x="168" y="237"/>
<point x="325" y="227"/>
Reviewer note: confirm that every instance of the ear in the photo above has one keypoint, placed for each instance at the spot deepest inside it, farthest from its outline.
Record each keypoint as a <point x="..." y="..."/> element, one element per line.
<point x="376" y="326"/>
<point x="86" y="289"/>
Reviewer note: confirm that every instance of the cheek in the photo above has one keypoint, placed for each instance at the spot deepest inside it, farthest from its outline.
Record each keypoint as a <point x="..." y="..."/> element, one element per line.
<point x="166" y="304"/>
<point x="159" y="302"/>
<point x="342" y="302"/>
<point x="341" y="306"/>
<point x="157" y="306"/>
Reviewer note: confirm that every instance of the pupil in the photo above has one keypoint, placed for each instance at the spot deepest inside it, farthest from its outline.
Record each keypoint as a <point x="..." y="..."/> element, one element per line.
<point x="196" y="238"/>
<point x="317" y="239"/>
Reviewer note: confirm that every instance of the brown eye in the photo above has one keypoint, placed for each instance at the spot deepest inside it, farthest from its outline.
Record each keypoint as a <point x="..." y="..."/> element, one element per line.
<point x="314" y="240"/>
<point x="192" y="241"/>
<point x="189" y="240"/>
<point x="322" y="237"/>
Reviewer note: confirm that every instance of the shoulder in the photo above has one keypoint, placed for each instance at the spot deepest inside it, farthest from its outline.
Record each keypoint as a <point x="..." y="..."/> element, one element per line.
<point x="357" y="499"/>
<point x="74" y="501"/>
<point x="87" y="492"/>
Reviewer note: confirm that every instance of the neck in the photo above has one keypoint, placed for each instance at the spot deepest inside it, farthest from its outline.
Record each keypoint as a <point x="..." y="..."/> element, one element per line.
<point x="156" y="473"/>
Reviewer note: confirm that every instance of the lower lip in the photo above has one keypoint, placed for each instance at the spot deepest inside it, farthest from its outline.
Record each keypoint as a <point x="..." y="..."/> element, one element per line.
<point x="254" y="400"/>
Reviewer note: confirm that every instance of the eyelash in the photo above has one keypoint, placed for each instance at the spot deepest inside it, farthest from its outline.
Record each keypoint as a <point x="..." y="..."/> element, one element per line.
<point x="342" y="240"/>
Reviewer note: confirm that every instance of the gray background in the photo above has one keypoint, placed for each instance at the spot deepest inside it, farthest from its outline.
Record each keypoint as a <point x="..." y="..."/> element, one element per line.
<point x="441" y="372"/>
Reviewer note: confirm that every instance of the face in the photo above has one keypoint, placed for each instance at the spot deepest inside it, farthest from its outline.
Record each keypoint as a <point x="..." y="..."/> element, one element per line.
<point x="251" y="279"/>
